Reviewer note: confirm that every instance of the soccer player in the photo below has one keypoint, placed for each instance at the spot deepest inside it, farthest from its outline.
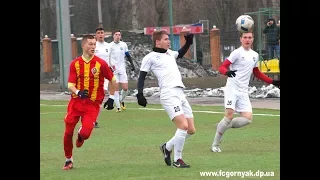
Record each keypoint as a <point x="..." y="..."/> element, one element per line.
<point x="102" y="51"/>
<point x="162" y="62"/>
<point x="239" y="66"/>
<point x="85" y="81"/>
<point x="119" y="50"/>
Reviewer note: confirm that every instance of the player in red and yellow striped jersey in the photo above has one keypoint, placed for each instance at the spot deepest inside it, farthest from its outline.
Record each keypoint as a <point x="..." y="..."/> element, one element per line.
<point x="86" y="79"/>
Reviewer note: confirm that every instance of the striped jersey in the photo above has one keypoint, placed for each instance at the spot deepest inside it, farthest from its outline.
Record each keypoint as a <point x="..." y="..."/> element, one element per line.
<point x="90" y="76"/>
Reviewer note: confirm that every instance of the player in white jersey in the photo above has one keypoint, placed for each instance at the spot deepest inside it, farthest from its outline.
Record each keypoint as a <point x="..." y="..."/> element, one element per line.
<point x="119" y="50"/>
<point x="103" y="51"/>
<point x="162" y="62"/>
<point x="239" y="66"/>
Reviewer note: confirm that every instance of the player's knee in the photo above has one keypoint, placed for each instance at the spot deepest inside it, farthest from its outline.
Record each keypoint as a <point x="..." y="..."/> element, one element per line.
<point x="229" y="113"/>
<point x="247" y="116"/>
<point x="183" y="126"/>
<point x="85" y="133"/>
<point x="191" y="130"/>
<point x="229" y="116"/>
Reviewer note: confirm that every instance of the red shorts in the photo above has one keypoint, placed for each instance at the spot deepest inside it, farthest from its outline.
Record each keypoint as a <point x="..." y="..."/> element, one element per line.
<point x="84" y="108"/>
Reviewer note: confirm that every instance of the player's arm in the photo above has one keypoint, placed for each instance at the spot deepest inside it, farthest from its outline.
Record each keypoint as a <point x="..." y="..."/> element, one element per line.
<point x="257" y="73"/>
<point x="128" y="57"/>
<point x="183" y="50"/>
<point x="108" y="74"/>
<point x="146" y="64"/>
<point x="130" y="60"/>
<point x="141" y="79"/>
<point x="141" y="99"/>
<point x="224" y="69"/>
<point x="72" y="79"/>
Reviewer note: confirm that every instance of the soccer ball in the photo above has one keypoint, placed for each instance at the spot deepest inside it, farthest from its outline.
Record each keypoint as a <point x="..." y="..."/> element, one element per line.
<point x="244" y="23"/>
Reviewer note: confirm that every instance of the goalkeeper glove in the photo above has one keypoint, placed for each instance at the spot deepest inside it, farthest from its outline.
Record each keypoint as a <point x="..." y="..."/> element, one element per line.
<point x="142" y="100"/>
<point x="108" y="105"/>
<point x="231" y="73"/>
<point x="189" y="38"/>
<point x="83" y="93"/>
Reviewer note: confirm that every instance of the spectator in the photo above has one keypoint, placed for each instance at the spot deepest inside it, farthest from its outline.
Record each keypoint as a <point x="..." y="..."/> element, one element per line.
<point x="272" y="32"/>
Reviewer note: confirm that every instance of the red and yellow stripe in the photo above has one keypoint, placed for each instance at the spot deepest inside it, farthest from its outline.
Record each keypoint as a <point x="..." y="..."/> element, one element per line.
<point x="89" y="77"/>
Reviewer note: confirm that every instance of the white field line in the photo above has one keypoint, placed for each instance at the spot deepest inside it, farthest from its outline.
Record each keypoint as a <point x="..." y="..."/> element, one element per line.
<point x="156" y="109"/>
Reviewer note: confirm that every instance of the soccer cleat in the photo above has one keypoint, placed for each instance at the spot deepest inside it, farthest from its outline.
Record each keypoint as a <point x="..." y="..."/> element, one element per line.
<point x="68" y="165"/>
<point x="180" y="164"/>
<point x="79" y="141"/>
<point x="215" y="149"/>
<point x="166" y="154"/>
<point x="123" y="107"/>
<point x="118" y="110"/>
<point x="96" y="125"/>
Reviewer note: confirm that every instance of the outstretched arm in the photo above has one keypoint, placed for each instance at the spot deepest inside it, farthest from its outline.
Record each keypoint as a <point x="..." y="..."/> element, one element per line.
<point x="257" y="73"/>
<point x="183" y="50"/>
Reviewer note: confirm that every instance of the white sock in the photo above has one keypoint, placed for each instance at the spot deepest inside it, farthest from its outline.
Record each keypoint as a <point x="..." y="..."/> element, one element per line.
<point x="116" y="99"/>
<point x="123" y="95"/>
<point x="221" y="128"/>
<point x="169" y="144"/>
<point x="69" y="159"/>
<point x="179" y="139"/>
<point x="188" y="135"/>
<point x="239" y="122"/>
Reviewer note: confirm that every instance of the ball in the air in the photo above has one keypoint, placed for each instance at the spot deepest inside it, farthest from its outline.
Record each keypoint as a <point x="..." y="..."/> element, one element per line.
<point x="244" y="23"/>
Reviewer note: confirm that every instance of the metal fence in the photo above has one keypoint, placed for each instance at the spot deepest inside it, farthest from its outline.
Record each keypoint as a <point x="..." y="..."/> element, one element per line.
<point x="200" y="51"/>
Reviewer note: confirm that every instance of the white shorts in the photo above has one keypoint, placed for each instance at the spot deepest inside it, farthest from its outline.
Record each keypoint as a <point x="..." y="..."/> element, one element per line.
<point x="174" y="102"/>
<point x="121" y="77"/>
<point x="237" y="100"/>
<point x="106" y="84"/>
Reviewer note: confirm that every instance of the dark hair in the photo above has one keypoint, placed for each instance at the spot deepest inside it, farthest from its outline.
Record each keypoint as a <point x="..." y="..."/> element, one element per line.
<point x="117" y="30"/>
<point x="86" y="37"/>
<point x="157" y="35"/>
<point x="99" y="29"/>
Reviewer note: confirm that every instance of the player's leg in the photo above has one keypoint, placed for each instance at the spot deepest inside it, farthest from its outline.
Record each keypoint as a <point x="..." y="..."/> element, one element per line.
<point x="116" y="94"/>
<point x="245" y="109"/>
<point x="71" y="120"/>
<point x="87" y="122"/>
<point x="105" y="87"/>
<point x="189" y="116"/>
<point x="230" y="100"/>
<point x="171" y="102"/>
<point x="124" y="89"/>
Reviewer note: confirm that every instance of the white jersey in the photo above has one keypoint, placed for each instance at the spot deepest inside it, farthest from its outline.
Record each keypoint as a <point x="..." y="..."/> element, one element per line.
<point x="164" y="67"/>
<point x="117" y="56"/>
<point x="243" y="61"/>
<point x="103" y="51"/>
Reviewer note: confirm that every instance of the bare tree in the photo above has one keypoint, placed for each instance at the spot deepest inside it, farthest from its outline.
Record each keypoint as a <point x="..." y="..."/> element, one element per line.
<point x="48" y="25"/>
<point x="135" y="23"/>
